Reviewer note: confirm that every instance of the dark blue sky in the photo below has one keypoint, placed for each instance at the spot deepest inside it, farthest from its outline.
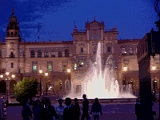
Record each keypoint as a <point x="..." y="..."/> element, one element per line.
<point x="133" y="18"/>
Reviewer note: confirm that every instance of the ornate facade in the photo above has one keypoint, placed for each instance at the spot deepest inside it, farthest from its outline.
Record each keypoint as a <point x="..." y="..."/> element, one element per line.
<point x="65" y="61"/>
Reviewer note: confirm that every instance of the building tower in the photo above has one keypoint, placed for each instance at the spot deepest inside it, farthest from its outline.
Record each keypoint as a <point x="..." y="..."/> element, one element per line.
<point x="12" y="42"/>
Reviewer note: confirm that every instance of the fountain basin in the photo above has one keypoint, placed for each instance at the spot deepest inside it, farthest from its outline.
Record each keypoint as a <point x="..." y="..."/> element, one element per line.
<point x="111" y="100"/>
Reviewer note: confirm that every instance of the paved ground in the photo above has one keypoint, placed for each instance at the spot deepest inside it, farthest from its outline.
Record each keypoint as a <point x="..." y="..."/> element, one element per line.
<point x="110" y="112"/>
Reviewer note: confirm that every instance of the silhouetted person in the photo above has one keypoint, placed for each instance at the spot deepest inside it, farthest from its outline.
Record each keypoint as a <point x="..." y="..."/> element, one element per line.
<point x="60" y="109"/>
<point x="138" y="109"/>
<point x="26" y="112"/>
<point x="77" y="111"/>
<point x="85" y="107"/>
<point x="36" y="110"/>
<point x="68" y="113"/>
<point x="96" y="109"/>
<point x="48" y="111"/>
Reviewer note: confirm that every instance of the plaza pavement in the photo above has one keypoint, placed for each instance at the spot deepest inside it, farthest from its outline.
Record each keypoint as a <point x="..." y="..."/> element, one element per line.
<point x="110" y="112"/>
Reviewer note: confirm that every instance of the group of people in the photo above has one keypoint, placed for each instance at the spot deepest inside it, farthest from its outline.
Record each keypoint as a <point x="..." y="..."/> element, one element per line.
<point x="70" y="111"/>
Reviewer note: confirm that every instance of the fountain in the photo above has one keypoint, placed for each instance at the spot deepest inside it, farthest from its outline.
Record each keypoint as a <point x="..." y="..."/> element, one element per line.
<point x="101" y="81"/>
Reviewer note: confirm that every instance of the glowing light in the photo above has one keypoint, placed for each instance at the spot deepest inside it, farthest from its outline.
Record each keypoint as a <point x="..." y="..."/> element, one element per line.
<point x="82" y="63"/>
<point x="153" y="68"/>
<point x="7" y="73"/>
<point x="75" y="65"/>
<point x="40" y="71"/>
<point x="125" y="68"/>
<point x="46" y="74"/>
<point x="1" y="76"/>
<point x="13" y="76"/>
<point x="68" y="70"/>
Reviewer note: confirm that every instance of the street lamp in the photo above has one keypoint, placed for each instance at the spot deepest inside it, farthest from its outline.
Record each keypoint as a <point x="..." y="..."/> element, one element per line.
<point x="153" y="68"/>
<point x="125" y="69"/>
<point x="40" y="71"/>
<point x="7" y="80"/>
<point x="68" y="70"/>
<point x="46" y="75"/>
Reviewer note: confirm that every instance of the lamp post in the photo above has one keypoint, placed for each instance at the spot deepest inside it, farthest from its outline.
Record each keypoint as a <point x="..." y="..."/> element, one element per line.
<point x="69" y="71"/>
<point x="153" y="68"/>
<point x="46" y="75"/>
<point x="40" y="72"/>
<point x="125" y="69"/>
<point x="7" y="81"/>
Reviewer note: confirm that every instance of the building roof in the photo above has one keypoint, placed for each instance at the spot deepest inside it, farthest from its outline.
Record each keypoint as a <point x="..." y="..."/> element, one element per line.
<point x="47" y="42"/>
<point x="122" y="41"/>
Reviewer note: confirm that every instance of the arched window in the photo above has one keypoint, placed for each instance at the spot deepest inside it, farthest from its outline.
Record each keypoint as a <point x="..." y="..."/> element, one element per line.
<point x="39" y="53"/>
<point x="66" y="53"/>
<point x="32" y="53"/>
<point x="12" y="55"/>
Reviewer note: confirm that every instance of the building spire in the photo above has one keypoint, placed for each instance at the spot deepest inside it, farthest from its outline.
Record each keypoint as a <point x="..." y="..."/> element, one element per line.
<point x="94" y="18"/>
<point x="75" y="27"/>
<point x="13" y="11"/>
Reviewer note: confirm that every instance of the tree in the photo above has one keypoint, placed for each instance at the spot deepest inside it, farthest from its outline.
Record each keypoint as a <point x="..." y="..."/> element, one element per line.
<point x="27" y="88"/>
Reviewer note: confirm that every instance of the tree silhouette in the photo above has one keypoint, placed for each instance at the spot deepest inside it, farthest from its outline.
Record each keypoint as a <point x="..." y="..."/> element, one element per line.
<point x="27" y="88"/>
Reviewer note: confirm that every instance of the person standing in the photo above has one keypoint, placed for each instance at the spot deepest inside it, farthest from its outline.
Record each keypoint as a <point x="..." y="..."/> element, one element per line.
<point x="68" y="113"/>
<point x="60" y="109"/>
<point x="48" y="111"/>
<point x="85" y="107"/>
<point x="77" y="111"/>
<point x="36" y="110"/>
<point x="26" y="112"/>
<point x="96" y="109"/>
<point x="138" y="109"/>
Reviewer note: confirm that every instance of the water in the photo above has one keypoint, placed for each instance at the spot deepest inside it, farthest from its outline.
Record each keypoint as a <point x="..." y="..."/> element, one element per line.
<point x="101" y="80"/>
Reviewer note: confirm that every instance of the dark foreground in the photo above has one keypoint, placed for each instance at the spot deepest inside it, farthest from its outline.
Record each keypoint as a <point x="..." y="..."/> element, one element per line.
<point x="110" y="112"/>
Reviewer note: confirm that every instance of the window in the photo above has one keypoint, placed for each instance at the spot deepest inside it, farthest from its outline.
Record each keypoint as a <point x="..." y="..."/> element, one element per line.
<point x="49" y="65"/>
<point x="39" y="53"/>
<point x="21" y="52"/>
<point x="109" y="49"/>
<point x="124" y="52"/>
<point x="81" y="63"/>
<point x="46" y="54"/>
<point x="3" y="52"/>
<point x="12" y="65"/>
<point x="34" y="66"/>
<point x="66" y="53"/>
<point x="32" y="53"/>
<point x="81" y="50"/>
<point x="92" y="37"/>
<point x="131" y="51"/>
<point x="53" y="54"/>
<point x="94" y="49"/>
<point x="12" y="55"/>
<point x="59" y="53"/>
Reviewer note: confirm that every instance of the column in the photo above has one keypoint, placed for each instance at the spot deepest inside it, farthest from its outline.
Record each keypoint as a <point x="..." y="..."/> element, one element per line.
<point x="101" y="34"/>
<point x="88" y="47"/>
<point x="102" y="47"/>
<point x="87" y="34"/>
<point x="63" y="83"/>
